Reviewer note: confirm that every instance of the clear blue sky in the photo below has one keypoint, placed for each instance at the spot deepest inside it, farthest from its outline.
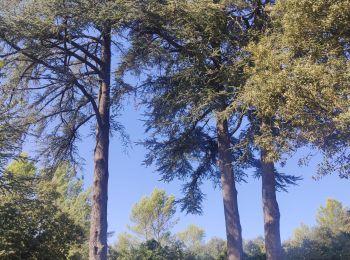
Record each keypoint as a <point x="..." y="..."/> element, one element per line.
<point x="130" y="180"/>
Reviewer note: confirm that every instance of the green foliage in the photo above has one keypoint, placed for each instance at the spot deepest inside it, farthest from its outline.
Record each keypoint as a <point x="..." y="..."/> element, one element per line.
<point x="153" y="216"/>
<point x="299" y="77"/>
<point x="255" y="249"/>
<point x="52" y="51"/>
<point x="73" y="201"/>
<point x="149" y="250"/>
<point x="35" y="222"/>
<point x="11" y="131"/>
<point x="216" y="249"/>
<point x="192" y="237"/>
<point x="153" y="250"/>
<point x="196" y="49"/>
<point x="126" y="243"/>
<point x="58" y="59"/>
<point x="194" y="247"/>
<point x="330" y="239"/>
<point x="334" y="216"/>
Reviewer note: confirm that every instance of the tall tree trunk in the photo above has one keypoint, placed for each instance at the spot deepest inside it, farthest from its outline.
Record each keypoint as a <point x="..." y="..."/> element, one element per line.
<point x="98" y="226"/>
<point x="233" y="225"/>
<point x="271" y="210"/>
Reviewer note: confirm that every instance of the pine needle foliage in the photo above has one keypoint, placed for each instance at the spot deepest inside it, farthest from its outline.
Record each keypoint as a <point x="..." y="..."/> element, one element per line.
<point x="300" y="78"/>
<point x="51" y="61"/>
<point x="193" y="57"/>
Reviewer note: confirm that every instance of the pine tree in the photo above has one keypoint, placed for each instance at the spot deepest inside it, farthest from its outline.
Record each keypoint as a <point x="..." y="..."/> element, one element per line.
<point x="300" y="78"/>
<point x="11" y="130"/>
<point x="194" y="50"/>
<point x="57" y="56"/>
<point x="298" y="89"/>
<point x="153" y="216"/>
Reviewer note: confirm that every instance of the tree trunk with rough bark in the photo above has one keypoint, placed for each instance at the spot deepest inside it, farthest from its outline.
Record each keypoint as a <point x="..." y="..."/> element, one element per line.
<point x="98" y="225"/>
<point x="233" y="225"/>
<point x="271" y="210"/>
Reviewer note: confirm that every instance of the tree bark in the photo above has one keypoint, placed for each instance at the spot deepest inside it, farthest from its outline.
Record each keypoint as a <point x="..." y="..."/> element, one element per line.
<point x="271" y="210"/>
<point x="233" y="225"/>
<point x="98" y="225"/>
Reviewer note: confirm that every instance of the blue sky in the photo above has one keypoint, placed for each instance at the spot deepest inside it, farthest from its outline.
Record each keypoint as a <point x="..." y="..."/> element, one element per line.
<point x="130" y="180"/>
